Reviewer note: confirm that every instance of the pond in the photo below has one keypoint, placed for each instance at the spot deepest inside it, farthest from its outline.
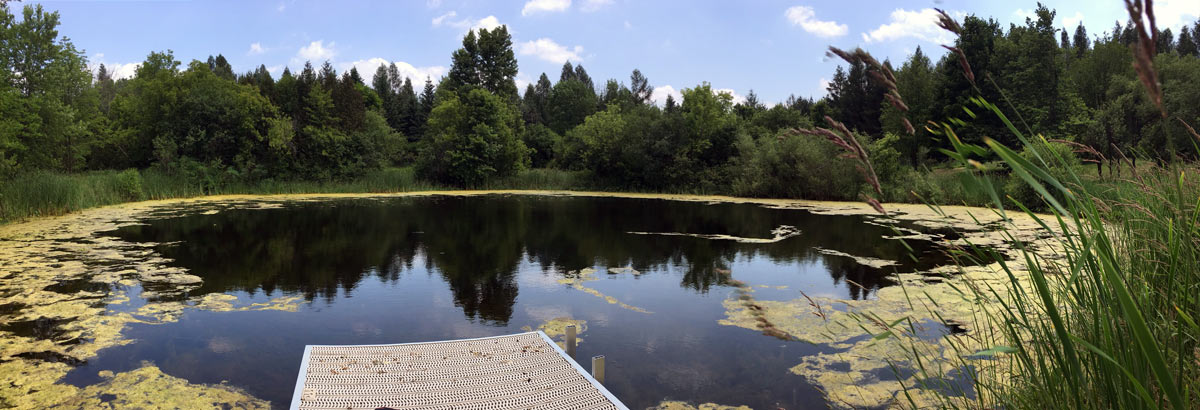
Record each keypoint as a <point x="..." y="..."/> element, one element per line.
<point x="648" y="280"/>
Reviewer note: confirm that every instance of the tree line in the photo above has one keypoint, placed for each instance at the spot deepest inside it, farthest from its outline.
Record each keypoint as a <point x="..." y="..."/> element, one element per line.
<point x="205" y="122"/>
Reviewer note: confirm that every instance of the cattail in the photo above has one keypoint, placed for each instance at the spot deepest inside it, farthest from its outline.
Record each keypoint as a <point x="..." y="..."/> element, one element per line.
<point x="1189" y="128"/>
<point x="962" y="61"/>
<point x="1144" y="49"/>
<point x="855" y="151"/>
<point x="881" y="73"/>
<point x="1083" y="149"/>
<point x="947" y="23"/>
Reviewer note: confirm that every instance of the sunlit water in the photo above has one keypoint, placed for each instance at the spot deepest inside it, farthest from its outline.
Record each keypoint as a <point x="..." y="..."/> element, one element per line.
<point x="435" y="268"/>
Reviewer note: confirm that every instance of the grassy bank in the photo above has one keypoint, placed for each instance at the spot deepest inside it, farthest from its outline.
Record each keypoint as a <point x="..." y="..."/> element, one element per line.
<point x="49" y="193"/>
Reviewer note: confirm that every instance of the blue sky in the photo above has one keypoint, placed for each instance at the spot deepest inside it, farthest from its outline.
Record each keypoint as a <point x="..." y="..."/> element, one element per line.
<point x="774" y="47"/>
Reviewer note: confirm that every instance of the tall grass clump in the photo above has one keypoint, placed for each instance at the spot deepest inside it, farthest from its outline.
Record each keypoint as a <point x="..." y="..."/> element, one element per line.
<point x="44" y="193"/>
<point x="1107" y="318"/>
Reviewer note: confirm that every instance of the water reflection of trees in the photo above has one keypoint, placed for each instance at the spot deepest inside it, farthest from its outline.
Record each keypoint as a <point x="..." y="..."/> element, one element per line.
<point x="477" y="243"/>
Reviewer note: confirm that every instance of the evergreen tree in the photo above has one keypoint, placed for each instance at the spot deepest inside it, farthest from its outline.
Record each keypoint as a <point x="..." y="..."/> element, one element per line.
<point x="427" y="99"/>
<point x="1064" y="40"/>
<point x="534" y="102"/>
<point x="106" y="88"/>
<point x="487" y="61"/>
<point x="568" y="72"/>
<point x="328" y="77"/>
<point x="222" y="68"/>
<point x="1166" y="41"/>
<point x="1082" y="42"/>
<point x="354" y="76"/>
<point x="264" y="82"/>
<point x="640" y="87"/>
<point x="410" y="109"/>
<point x="349" y="104"/>
<point x="393" y="107"/>
<point x="1187" y="43"/>
<point x="582" y="76"/>
<point x="570" y="102"/>
<point x="307" y="78"/>
<point x="670" y="106"/>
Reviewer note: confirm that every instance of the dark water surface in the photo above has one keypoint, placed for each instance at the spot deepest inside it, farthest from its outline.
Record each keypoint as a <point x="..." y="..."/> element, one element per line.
<point x="434" y="268"/>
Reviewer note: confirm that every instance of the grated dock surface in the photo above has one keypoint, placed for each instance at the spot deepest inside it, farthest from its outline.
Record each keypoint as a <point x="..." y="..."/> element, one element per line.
<point x="519" y="371"/>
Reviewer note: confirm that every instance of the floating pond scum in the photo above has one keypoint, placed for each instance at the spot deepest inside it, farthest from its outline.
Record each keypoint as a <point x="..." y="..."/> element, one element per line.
<point x="523" y="370"/>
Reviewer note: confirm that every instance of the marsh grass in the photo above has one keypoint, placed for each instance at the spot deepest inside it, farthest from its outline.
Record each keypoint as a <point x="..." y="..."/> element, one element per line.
<point x="49" y="193"/>
<point x="1111" y="321"/>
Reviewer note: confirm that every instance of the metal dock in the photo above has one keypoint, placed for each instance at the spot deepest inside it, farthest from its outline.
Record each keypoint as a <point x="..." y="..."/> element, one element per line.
<point x="519" y="371"/>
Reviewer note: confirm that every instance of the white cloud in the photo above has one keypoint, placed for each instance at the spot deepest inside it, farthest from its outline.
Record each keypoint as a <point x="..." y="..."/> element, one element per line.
<point x="366" y="69"/>
<point x="275" y="69"/>
<point x="522" y="80"/>
<point x="489" y="22"/>
<point x="548" y="6"/>
<point x="593" y="5"/>
<point x="915" y="24"/>
<point x="99" y="55"/>
<point x="433" y="4"/>
<point x="281" y="7"/>
<point x="1174" y="14"/>
<point x="546" y="49"/>
<point x="628" y="26"/>
<point x="804" y="17"/>
<point x="316" y="51"/>
<point x="256" y="48"/>
<point x="659" y="96"/>
<point x="437" y="21"/>
<point x="822" y="88"/>
<point x="1072" y="21"/>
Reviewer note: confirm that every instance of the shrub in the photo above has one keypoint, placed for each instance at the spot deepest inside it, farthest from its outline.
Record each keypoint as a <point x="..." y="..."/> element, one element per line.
<point x="793" y="166"/>
<point x="129" y="185"/>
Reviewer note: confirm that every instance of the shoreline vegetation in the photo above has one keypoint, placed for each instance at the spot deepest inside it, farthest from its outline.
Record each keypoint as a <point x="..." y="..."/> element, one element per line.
<point x="1090" y="136"/>
<point x="49" y="193"/>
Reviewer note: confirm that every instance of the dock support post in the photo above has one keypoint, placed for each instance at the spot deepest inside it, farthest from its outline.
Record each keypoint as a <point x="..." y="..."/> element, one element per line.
<point x="571" y="341"/>
<point x="598" y="368"/>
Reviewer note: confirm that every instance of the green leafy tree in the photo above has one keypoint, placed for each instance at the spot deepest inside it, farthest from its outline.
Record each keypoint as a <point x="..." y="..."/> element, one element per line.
<point x="49" y="105"/>
<point x="541" y="141"/>
<point x="473" y="138"/>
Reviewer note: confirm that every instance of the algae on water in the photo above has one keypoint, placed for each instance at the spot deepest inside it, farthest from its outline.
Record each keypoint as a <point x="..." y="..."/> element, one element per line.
<point x="576" y="279"/>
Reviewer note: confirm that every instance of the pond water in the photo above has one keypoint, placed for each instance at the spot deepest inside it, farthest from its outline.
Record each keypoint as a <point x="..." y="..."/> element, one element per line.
<point x="411" y="269"/>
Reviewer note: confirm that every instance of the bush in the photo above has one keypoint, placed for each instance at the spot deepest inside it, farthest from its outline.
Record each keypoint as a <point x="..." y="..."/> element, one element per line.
<point x="129" y="185"/>
<point x="793" y="166"/>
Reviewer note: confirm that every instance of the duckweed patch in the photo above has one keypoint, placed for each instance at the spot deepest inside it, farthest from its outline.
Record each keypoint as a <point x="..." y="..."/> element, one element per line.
<point x="576" y="279"/>
<point x="778" y="234"/>
<point x="876" y="342"/>
<point x="680" y="405"/>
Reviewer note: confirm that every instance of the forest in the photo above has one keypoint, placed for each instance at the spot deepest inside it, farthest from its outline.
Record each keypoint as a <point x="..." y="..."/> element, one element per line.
<point x="204" y="127"/>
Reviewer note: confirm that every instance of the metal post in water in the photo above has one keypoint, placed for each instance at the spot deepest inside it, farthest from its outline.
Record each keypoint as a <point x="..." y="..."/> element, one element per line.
<point x="571" y="340"/>
<point x="598" y="368"/>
